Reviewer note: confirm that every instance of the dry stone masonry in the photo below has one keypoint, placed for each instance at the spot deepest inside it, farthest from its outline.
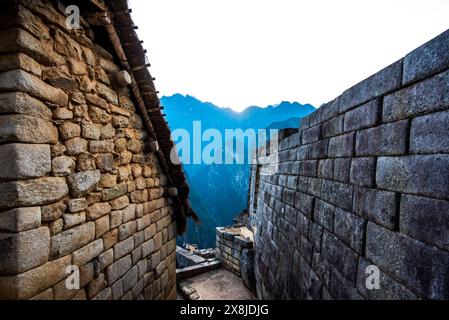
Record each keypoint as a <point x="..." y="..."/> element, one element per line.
<point x="363" y="182"/>
<point x="77" y="186"/>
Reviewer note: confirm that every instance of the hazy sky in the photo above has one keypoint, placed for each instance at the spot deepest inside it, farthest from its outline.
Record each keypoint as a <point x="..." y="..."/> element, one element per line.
<point x="237" y="53"/>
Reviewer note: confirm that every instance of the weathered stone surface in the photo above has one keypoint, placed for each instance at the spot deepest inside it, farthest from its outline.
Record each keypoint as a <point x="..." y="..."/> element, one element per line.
<point x="115" y="192"/>
<point x="311" y="135"/>
<point x="387" y="139"/>
<point x="98" y="210"/>
<point x="426" y="220"/>
<point x="422" y="175"/>
<point x="73" y="219"/>
<point x="63" y="166"/>
<point x="390" y="289"/>
<point x="342" y="146"/>
<point x="88" y="252"/>
<point x="20" y="61"/>
<point x="423" y="97"/>
<point x="101" y="146"/>
<point x="107" y="132"/>
<point x="76" y="146"/>
<point x="106" y="162"/>
<point x="363" y="171"/>
<point x="333" y="127"/>
<point x="21" y="161"/>
<point x="349" y="228"/>
<point x="32" y="192"/>
<point x="98" y="115"/>
<point x="376" y="205"/>
<point x="23" y="251"/>
<point x="120" y="121"/>
<point x="108" y="180"/>
<point x="85" y="162"/>
<point x="324" y="214"/>
<point x="18" y="40"/>
<point x="119" y="203"/>
<point x="69" y="130"/>
<point x="378" y="84"/>
<point x="126" y="230"/>
<point x="106" y="258"/>
<point x="110" y="238"/>
<point x="430" y="58"/>
<point x="430" y="134"/>
<point x="419" y="266"/>
<point x="118" y="269"/>
<point x="91" y="131"/>
<point x="20" y="219"/>
<point x="101" y="226"/>
<point x="20" y="80"/>
<point x="81" y="183"/>
<point x="72" y="239"/>
<point x="341" y="289"/>
<point x="22" y="103"/>
<point x="107" y="93"/>
<point x="21" y="128"/>
<point x="123" y="248"/>
<point x="28" y="284"/>
<point x="337" y="193"/>
<point x="342" y="168"/>
<point x="343" y="258"/>
<point x="62" y="114"/>
<point x="362" y="117"/>
<point x="53" y="211"/>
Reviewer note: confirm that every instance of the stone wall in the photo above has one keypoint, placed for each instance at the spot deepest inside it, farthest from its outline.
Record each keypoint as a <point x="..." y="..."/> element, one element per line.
<point x="230" y="245"/>
<point x="364" y="181"/>
<point x="76" y="187"/>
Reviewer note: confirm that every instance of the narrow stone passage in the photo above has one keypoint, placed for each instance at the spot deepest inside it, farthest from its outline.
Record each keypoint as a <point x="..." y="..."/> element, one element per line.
<point x="219" y="284"/>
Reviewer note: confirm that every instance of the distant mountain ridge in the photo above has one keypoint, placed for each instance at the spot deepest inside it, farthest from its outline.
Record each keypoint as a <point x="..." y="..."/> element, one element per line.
<point x="219" y="192"/>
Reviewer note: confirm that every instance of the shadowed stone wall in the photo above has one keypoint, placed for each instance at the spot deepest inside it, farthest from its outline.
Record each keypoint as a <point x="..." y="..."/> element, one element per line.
<point x="364" y="181"/>
<point x="76" y="187"/>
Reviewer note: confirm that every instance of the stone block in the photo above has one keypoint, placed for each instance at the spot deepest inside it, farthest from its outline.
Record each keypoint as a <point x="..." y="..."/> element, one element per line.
<point x="127" y="230"/>
<point x="116" y="270"/>
<point x="73" y="219"/>
<point x="18" y="40"/>
<point x="22" y="103"/>
<point x="342" y="289"/>
<point x="387" y="139"/>
<point x="20" y="61"/>
<point x="62" y="166"/>
<point x="341" y="146"/>
<point x="101" y="147"/>
<point x="101" y="226"/>
<point x="349" y="228"/>
<point x="21" y="128"/>
<point x="422" y="175"/>
<point x="69" y="130"/>
<point x="85" y="254"/>
<point x="98" y="210"/>
<point x="20" y="219"/>
<point x="363" y="171"/>
<point x="340" y="256"/>
<point x="304" y="203"/>
<point x="342" y="168"/>
<point x="326" y="169"/>
<point x="81" y="183"/>
<point x="123" y="248"/>
<point x="23" y="251"/>
<point x="77" y="205"/>
<point x="98" y="115"/>
<point x="426" y="220"/>
<point x="76" y="146"/>
<point x="19" y="80"/>
<point x="107" y="132"/>
<point x="72" y="239"/>
<point x="53" y="211"/>
<point x="423" y="97"/>
<point x="364" y="116"/>
<point x="418" y="266"/>
<point x="428" y="59"/>
<point x="318" y="150"/>
<point x="384" y="81"/>
<point x="91" y="131"/>
<point x="430" y="134"/>
<point x="119" y="203"/>
<point x="129" y="279"/>
<point x="309" y="168"/>
<point x="311" y="135"/>
<point x="22" y="161"/>
<point x="106" y="258"/>
<point x="30" y="283"/>
<point x="324" y="214"/>
<point x="337" y="193"/>
<point x="376" y="205"/>
<point x="333" y="127"/>
<point x="32" y="192"/>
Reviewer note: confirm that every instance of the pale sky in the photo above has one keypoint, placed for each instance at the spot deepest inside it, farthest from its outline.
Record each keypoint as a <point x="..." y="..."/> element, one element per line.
<point x="238" y="53"/>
